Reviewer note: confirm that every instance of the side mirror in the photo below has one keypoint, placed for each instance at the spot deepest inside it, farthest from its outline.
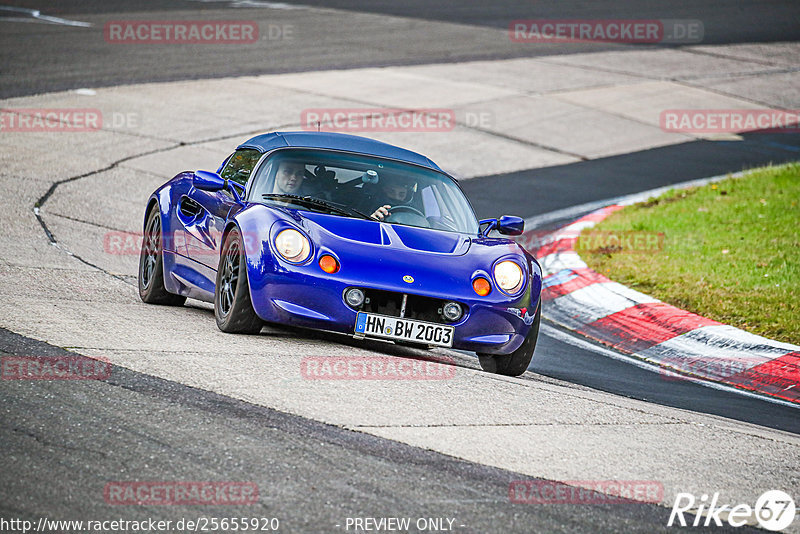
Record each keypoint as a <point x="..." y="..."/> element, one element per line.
<point x="506" y="225"/>
<point x="208" y="181"/>
<point x="510" y="225"/>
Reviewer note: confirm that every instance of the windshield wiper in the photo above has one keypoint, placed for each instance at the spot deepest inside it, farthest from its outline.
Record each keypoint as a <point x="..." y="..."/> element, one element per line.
<point x="308" y="200"/>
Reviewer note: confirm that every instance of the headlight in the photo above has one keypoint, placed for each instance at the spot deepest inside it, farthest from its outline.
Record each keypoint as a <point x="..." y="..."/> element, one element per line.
<point x="508" y="276"/>
<point x="293" y="246"/>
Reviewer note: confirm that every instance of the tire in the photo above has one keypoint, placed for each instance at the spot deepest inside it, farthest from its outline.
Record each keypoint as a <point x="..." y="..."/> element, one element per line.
<point x="517" y="362"/>
<point x="233" y="308"/>
<point x="151" y="265"/>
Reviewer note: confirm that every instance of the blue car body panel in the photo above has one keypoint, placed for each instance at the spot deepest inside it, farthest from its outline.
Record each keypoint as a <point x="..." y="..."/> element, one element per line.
<point x="336" y="141"/>
<point x="373" y="255"/>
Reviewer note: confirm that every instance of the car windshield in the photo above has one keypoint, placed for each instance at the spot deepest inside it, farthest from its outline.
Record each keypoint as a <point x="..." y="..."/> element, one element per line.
<point x="355" y="185"/>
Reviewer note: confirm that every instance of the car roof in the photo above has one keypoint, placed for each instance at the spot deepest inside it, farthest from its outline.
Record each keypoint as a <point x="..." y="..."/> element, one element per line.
<point x="336" y="141"/>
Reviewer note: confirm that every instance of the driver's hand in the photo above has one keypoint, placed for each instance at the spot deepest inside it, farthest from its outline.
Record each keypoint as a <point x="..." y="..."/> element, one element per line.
<point x="381" y="213"/>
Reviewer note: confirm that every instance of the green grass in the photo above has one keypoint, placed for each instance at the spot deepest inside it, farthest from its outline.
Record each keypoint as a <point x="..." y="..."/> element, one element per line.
<point x="731" y="251"/>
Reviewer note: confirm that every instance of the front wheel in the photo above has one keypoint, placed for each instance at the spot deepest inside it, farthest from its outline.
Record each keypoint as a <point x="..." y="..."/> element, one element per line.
<point x="517" y="362"/>
<point x="233" y="308"/>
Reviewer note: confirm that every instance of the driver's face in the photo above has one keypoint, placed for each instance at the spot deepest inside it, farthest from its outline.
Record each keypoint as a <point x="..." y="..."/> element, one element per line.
<point x="396" y="192"/>
<point x="290" y="177"/>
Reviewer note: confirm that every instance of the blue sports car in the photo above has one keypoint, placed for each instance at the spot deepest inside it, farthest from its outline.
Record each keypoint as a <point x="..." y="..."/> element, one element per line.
<point x="344" y="234"/>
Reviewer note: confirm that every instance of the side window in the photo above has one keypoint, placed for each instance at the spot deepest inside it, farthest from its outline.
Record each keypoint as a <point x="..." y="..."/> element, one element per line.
<point x="240" y="165"/>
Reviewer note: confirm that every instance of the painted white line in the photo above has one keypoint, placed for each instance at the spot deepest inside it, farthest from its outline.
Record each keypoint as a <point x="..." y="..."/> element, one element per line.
<point x="643" y="360"/>
<point x="719" y="343"/>
<point x="581" y="343"/>
<point x="269" y="5"/>
<point x="575" y="211"/>
<point x="558" y="261"/>
<point x="37" y="16"/>
<point x="596" y="301"/>
<point x="255" y="3"/>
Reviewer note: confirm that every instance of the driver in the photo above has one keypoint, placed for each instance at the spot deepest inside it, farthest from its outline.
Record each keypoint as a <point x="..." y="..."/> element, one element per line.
<point x="289" y="177"/>
<point x="395" y="193"/>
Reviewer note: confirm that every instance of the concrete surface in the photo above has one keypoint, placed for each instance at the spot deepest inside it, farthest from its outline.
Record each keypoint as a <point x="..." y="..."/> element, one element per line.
<point x="534" y="426"/>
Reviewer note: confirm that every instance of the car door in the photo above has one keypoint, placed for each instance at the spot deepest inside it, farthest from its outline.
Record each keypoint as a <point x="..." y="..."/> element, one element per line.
<point x="204" y="213"/>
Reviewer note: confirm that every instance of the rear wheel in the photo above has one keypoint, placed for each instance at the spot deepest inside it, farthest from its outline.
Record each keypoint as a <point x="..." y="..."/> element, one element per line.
<point x="233" y="308"/>
<point x="517" y="362"/>
<point x="151" y="265"/>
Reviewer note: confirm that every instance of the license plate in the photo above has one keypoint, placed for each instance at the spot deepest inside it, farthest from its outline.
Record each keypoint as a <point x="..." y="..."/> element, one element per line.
<point x="396" y="328"/>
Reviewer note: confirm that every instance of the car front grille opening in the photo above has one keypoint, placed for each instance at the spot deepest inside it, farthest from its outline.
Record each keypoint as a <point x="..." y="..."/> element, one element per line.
<point x="416" y="307"/>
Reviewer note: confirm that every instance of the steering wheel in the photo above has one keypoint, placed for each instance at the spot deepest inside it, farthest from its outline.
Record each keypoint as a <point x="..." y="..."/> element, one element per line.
<point x="403" y="214"/>
<point x="403" y="207"/>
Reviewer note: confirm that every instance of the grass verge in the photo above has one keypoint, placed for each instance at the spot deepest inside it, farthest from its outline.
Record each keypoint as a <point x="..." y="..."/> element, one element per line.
<point x="729" y="251"/>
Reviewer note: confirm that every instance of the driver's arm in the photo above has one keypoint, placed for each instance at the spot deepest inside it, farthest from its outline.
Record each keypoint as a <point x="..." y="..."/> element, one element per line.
<point x="381" y="213"/>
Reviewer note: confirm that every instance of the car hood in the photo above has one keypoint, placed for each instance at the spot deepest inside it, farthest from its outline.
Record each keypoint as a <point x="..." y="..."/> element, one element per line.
<point x="394" y="257"/>
<point x="323" y="228"/>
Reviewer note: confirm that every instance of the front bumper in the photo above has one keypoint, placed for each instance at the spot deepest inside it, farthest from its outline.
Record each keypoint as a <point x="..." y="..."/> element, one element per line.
<point x="306" y="296"/>
<point x="298" y="299"/>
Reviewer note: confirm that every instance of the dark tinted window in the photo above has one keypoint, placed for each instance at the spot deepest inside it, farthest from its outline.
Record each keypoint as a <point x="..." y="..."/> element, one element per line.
<point x="240" y="165"/>
<point x="418" y="196"/>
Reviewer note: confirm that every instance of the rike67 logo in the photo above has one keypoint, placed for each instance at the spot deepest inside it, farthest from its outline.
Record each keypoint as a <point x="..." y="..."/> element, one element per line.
<point x="774" y="510"/>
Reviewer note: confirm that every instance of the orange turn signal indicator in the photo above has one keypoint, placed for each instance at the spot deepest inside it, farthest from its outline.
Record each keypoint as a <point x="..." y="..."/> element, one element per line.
<point x="481" y="286"/>
<point x="328" y="264"/>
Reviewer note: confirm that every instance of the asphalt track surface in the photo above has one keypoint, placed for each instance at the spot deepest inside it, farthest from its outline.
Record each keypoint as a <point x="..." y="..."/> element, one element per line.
<point x="537" y="191"/>
<point x="179" y="432"/>
<point x="85" y="435"/>
<point x="60" y="57"/>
